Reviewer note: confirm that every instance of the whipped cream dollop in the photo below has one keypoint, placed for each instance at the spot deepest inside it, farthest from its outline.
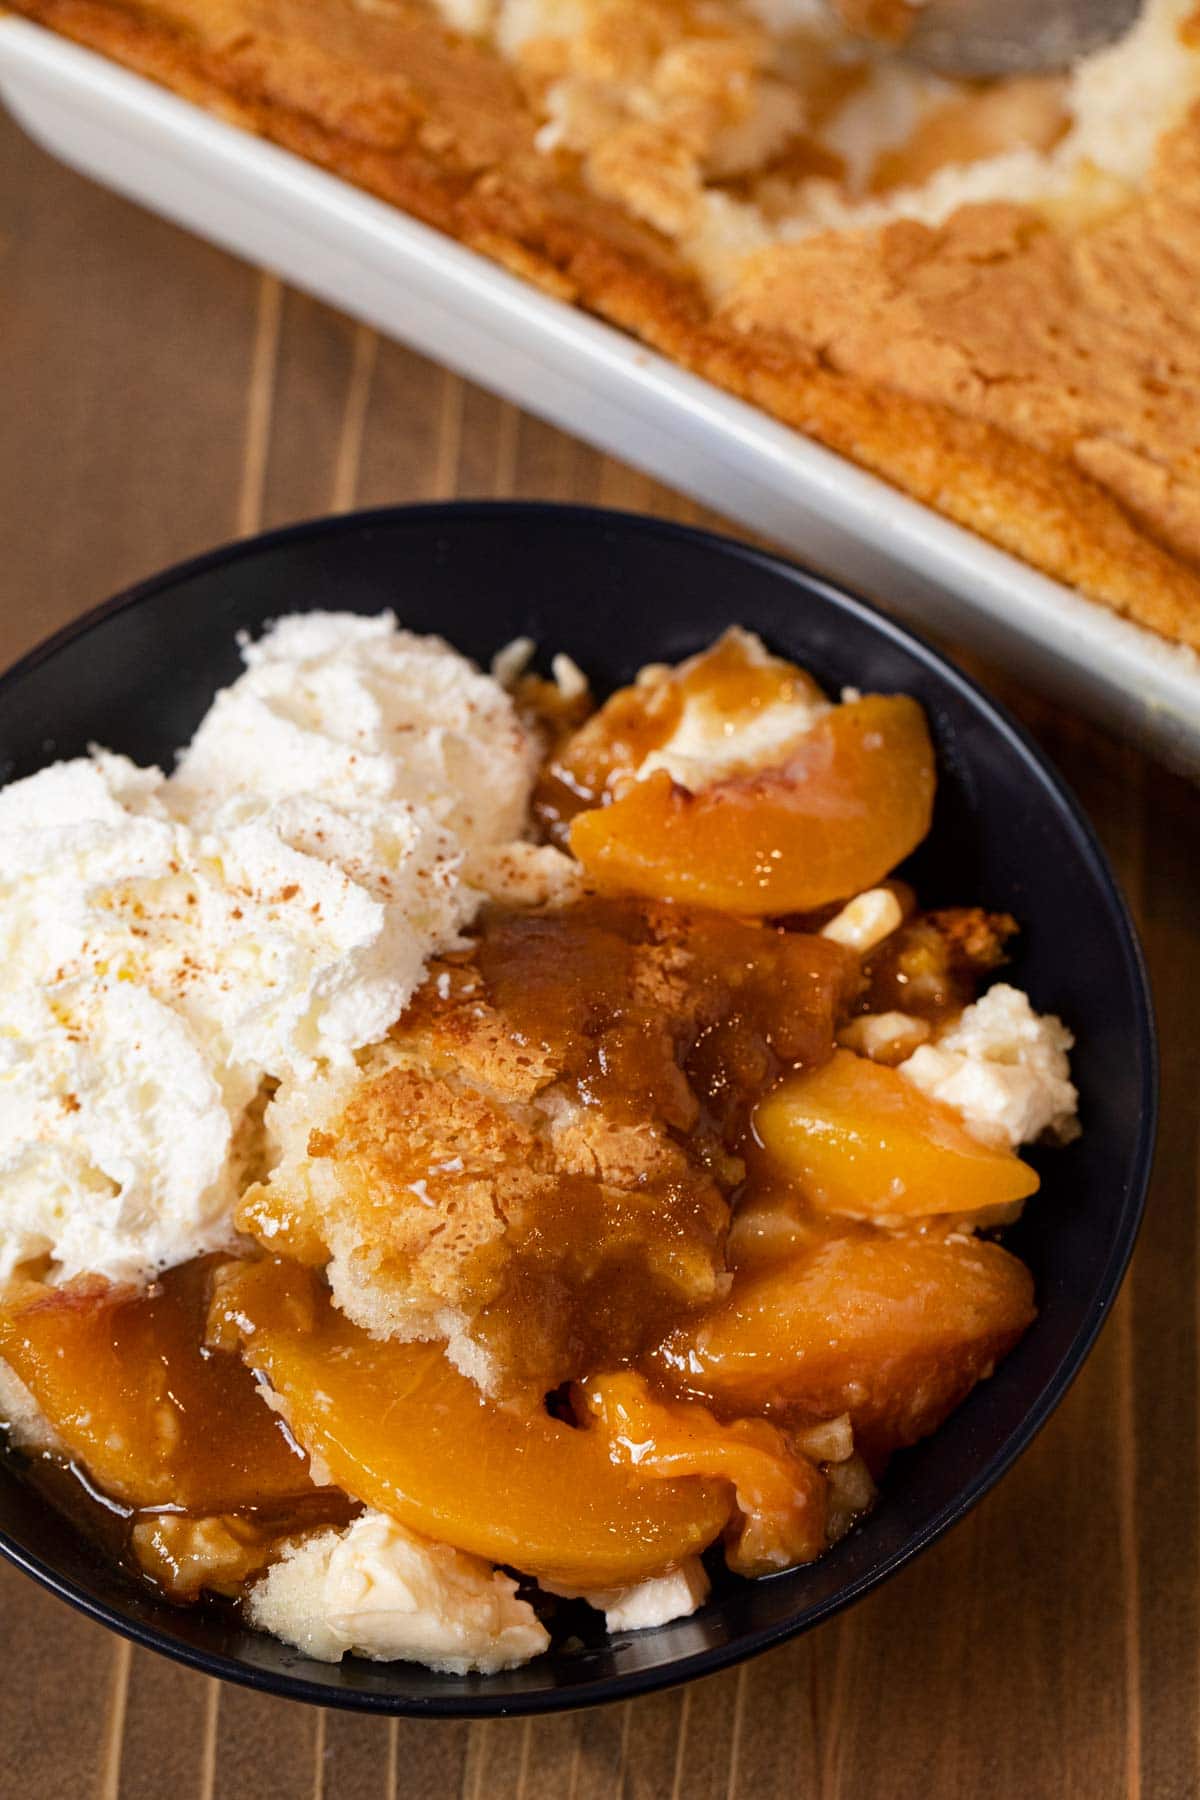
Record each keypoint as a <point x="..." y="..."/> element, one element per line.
<point x="1004" y="1068"/>
<point x="659" y="1600"/>
<point x="380" y="1591"/>
<point x="706" y="746"/>
<point x="366" y="716"/>
<point x="170" y="942"/>
<point x="708" y="742"/>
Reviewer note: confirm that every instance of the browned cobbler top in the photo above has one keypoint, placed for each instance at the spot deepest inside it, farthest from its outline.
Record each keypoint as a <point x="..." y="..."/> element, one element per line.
<point x="1032" y="375"/>
<point x="539" y="1161"/>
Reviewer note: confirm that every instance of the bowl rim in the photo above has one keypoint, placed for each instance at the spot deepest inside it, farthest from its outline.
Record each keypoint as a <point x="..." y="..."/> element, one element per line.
<point x="476" y="1703"/>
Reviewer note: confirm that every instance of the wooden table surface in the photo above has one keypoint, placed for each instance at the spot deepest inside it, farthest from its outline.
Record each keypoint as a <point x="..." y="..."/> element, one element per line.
<point x="157" y="398"/>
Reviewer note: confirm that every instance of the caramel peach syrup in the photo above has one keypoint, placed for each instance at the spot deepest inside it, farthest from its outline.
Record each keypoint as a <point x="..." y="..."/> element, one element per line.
<point x="827" y="809"/>
<point x="644" y="1230"/>
<point x="134" y="1394"/>
<point x="176" y="1436"/>
<point x="628" y="1488"/>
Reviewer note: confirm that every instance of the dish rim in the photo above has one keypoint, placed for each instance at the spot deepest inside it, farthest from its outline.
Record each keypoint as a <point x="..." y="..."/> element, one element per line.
<point x="710" y="1661"/>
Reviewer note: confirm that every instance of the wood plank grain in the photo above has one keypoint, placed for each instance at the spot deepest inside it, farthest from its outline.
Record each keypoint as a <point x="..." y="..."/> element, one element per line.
<point x="55" y="1696"/>
<point x="495" y="1758"/>
<point x="125" y="351"/>
<point x="550" y="1760"/>
<point x="260" y="404"/>
<point x="601" y="1748"/>
<point x="1110" y="779"/>
<point x="354" y="1759"/>
<point x="265" y="1748"/>
<point x="1164" y="1292"/>
<point x="777" y="1740"/>
<point x="652" y="1732"/>
<point x="704" y="1751"/>
<point x="311" y="455"/>
<point x="487" y="449"/>
<point x="1148" y="822"/>
<point x="428" y="1759"/>
<point x="412" y="430"/>
<point x="164" y="1746"/>
<point x="552" y="466"/>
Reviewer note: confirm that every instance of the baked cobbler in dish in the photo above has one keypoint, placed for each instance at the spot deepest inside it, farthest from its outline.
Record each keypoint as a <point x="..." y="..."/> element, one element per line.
<point x="985" y="293"/>
<point x="465" y="1150"/>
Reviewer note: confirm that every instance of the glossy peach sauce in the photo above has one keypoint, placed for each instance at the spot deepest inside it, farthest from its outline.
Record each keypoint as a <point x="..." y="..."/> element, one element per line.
<point x="174" y="1433"/>
<point x="683" y="1351"/>
<point x="589" y="768"/>
<point x="854" y="797"/>
<point x="841" y="802"/>
<point x="695" y="1435"/>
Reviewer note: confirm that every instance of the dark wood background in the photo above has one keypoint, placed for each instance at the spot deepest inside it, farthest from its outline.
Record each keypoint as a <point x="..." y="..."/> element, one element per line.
<point x="157" y="398"/>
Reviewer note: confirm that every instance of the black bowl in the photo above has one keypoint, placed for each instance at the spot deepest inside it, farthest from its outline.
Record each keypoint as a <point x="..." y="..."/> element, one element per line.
<point x="617" y="592"/>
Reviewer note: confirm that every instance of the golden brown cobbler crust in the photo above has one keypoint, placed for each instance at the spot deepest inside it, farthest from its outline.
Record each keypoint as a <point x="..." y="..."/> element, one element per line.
<point x="1035" y="385"/>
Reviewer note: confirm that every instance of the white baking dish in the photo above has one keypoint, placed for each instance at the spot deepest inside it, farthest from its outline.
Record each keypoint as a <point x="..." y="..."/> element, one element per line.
<point x="324" y="235"/>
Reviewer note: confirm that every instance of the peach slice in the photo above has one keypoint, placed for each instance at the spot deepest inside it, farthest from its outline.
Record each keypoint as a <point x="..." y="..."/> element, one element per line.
<point x="400" y="1428"/>
<point x="780" y="1495"/>
<point x="853" y="798"/>
<point x="894" y="1330"/>
<point x="861" y="1141"/>
<point x="154" y="1416"/>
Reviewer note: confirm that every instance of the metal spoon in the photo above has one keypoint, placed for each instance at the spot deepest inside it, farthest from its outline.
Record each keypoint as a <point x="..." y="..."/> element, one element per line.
<point x="1014" y="37"/>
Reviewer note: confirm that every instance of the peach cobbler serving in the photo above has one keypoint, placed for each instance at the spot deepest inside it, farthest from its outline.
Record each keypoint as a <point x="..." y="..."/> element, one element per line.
<point x="465" y="1148"/>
